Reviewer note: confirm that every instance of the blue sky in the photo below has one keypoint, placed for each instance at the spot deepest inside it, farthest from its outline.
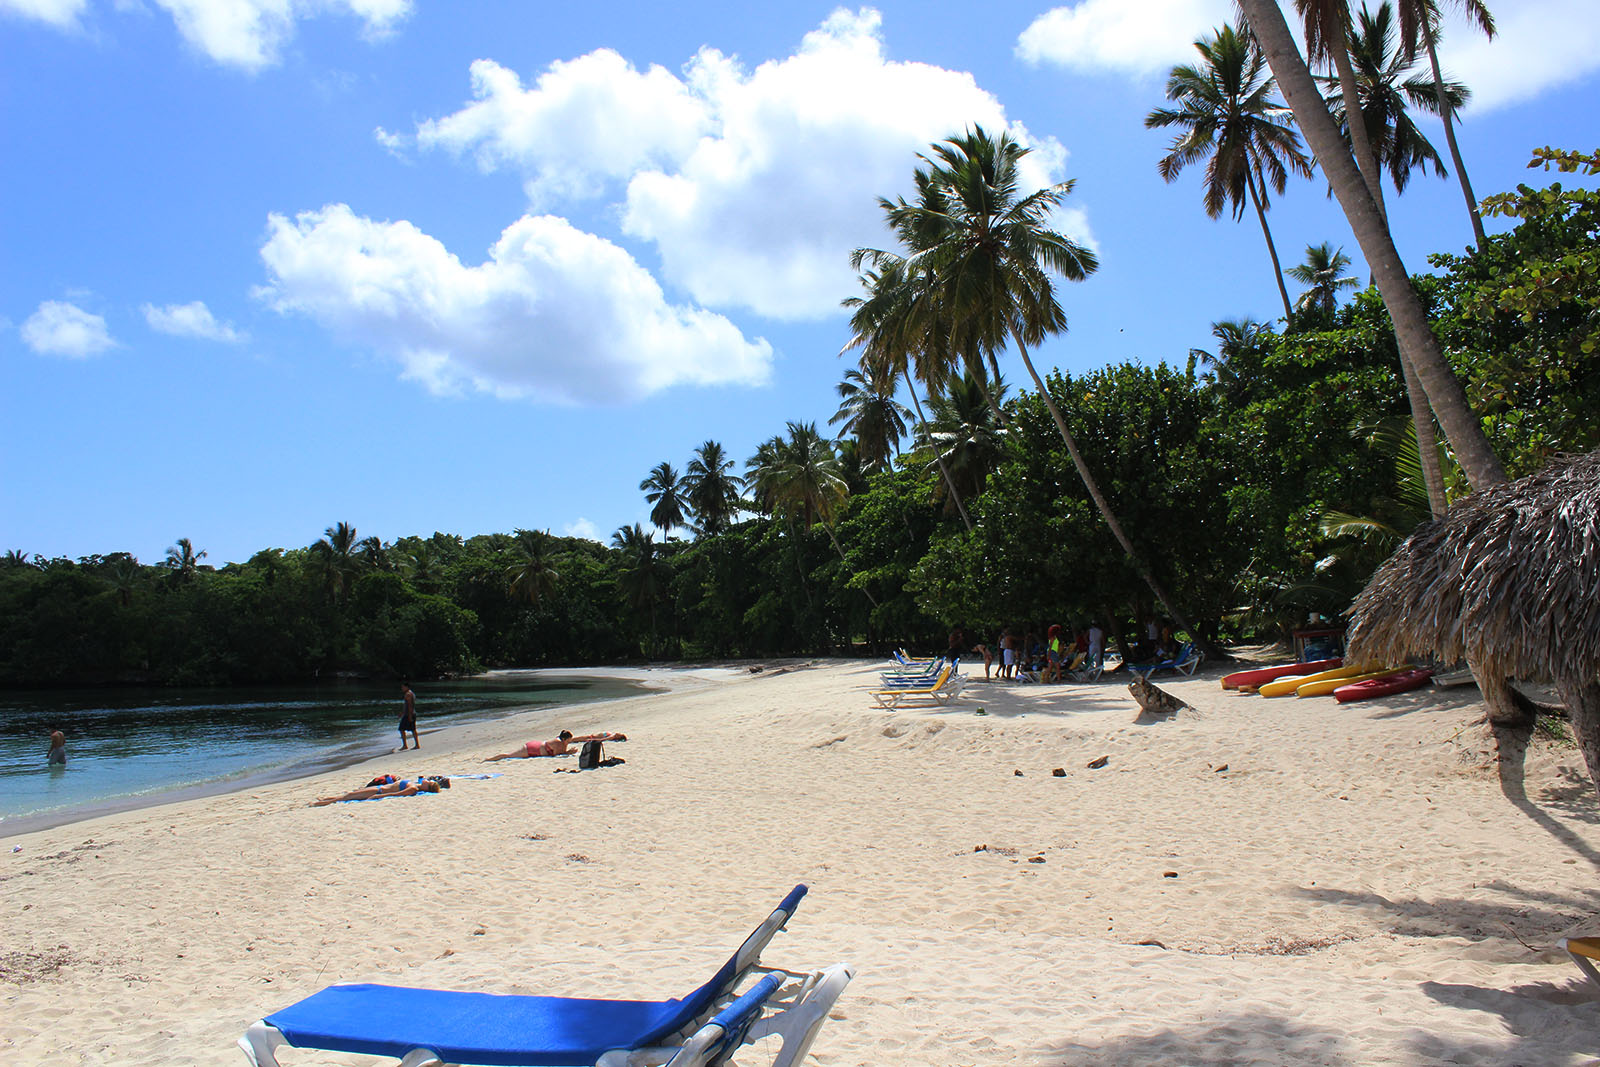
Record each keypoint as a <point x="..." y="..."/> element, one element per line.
<point x="274" y="264"/>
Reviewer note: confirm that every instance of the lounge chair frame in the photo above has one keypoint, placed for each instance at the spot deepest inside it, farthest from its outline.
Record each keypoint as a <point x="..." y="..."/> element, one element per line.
<point x="1585" y="952"/>
<point x="945" y="689"/>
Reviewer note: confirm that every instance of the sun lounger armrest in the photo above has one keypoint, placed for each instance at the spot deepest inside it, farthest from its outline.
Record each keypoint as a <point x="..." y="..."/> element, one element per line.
<point x="799" y="1021"/>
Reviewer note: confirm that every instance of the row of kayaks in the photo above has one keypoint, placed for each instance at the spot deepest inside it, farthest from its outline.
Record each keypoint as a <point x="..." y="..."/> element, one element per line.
<point x="1321" y="677"/>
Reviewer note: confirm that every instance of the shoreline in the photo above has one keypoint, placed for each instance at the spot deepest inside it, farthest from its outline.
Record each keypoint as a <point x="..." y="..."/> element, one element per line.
<point x="313" y="767"/>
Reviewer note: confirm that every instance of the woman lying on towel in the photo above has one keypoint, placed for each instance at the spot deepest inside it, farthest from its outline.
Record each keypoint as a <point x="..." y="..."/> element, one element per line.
<point x="559" y="747"/>
<point x="401" y="787"/>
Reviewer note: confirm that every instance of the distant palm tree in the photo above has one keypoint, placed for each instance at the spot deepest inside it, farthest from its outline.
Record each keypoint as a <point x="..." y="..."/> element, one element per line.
<point x="711" y="489"/>
<point x="124" y="576"/>
<point x="1384" y="90"/>
<point x="643" y="576"/>
<point x="666" y="493"/>
<point x="373" y="553"/>
<point x="1234" y="337"/>
<point x="15" y="557"/>
<point x="963" y="431"/>
<point x="1227" y="115"/>
<point x="871" y="415"/>
<point x="336" y="552"/>
<point x="532" y="576"/>
<point x="1420" y="18"/>
<point x="421" y="565"/>
<point x="183" y="559"/>
<point x="1323" y="275"/>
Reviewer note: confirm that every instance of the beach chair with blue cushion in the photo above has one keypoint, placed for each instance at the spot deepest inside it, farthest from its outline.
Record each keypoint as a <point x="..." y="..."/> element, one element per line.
<point x="427" y="1026"/>
<point x="1185" y="662"/>
<point x="944" y="689"/>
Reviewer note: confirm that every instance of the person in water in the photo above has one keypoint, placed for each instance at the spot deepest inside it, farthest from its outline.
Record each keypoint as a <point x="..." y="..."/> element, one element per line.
<point x="402" y="787"/>
<point x="559" y="747"/>
<point x="58" y="749"/>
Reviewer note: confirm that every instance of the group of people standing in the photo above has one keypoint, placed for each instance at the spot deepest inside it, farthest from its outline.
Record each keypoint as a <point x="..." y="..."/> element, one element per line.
<point x="1049" y="659"/>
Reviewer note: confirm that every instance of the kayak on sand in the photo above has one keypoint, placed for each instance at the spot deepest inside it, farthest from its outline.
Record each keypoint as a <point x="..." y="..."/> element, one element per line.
<point x="1253" y="679"/>
<point x="1398" y="682"/>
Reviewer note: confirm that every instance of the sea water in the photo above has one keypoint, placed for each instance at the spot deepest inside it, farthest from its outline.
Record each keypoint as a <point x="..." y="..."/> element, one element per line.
<point x="131" y="747"/>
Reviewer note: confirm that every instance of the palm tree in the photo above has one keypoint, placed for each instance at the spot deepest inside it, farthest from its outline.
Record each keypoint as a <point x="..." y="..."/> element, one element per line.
<point x="421" y="565"/>
<point x="1420" y="18"/>
<point x="15" y="557"/>
<point x="711" y="491"/>
<point x="183" y="559"/>
<point x="373" y="553"/>
<point x="642" y="578"/>
<point x="337" y="553"/>
<point x="888" y="325"/>
<point x="1234" y="338"/>
<point x="1379" y="66"/>
<point x="871" y="414"/>
<point x="988" y="254"/>
<point x="665" y="492"/>
<point x="1417" y="342"/>
<point x="1323" y="275"/>
<point x="1227" y="113"/>
<point x="532" y="576"/>
<point x="963" y="431"/>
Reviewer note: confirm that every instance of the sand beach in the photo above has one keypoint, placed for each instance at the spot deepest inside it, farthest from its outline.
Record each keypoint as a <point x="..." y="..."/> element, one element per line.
<point x="1252" y="882"/>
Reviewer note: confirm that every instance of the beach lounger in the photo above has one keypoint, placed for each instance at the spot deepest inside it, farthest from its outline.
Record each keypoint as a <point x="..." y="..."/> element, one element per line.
<point x="942" y="691"/>
<point x="919" y="677"/>
<point x="1585" y="952"/>
<point x="1185" y="662"/>
<point x="419" y="1026"/>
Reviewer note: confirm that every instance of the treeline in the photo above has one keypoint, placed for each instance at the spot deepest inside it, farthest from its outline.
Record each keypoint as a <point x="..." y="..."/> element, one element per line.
<point x="1261" y="480"/>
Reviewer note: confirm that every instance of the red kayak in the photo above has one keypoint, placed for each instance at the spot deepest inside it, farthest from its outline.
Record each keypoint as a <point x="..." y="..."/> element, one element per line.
<point x="1261" y="675"/>
<point x="1398" y="682"/>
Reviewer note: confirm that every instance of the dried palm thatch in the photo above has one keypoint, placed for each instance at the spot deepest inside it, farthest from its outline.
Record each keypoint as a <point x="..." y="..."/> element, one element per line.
<point x="1509" y="580"/>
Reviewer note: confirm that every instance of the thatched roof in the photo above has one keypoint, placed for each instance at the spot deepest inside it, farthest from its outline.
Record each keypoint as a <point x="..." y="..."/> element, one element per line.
<point x="1509" y="579"/>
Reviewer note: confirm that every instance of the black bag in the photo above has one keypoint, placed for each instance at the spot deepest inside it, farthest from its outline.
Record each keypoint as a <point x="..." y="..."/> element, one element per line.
<point x="590" y="756"/>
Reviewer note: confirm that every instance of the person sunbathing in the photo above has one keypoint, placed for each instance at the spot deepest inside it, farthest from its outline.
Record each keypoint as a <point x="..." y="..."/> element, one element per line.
<point x="400" y="788"/>
<point x="559" y="747"/>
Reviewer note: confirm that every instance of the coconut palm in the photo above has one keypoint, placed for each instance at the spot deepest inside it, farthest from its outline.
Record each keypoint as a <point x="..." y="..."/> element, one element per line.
<point x="373" y="553"/>
<point x="336" y="552"/>
<point x="962" y="430"/>
<point x="1227" y="115"/>
<point x="1420" y="19"/>
<point x="532" y="576"/>
<point x="871" y="415"/>
<point x="987" y="254"/>
<point x="1418" y="346"/>
<point x="183" y="559"/>
<point x="712" y="492"/>
<point x="666" y="493"/>
<point x="1323" y="275"/>
<point x="888" y="325"/>
<point x="15" y="557"/>
<point x="1384" y="91"/>
<point x="643" y="575"/>
<point x="1234" y="338"/>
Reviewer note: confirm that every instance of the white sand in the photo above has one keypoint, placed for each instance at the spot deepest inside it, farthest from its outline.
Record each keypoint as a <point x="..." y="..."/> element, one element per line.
<point x="1355" y="887"/>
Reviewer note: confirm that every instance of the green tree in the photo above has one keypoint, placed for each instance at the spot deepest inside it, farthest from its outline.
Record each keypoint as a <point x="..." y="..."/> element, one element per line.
<point x="183" y="560"/>
<point x="1227" y="115"/>
<point x="711" y="489"/>
<point x="964" y="433"/>
<point x="871" y="415"/>
<point x="643" y="576"/>
<point x="533" y="576"/>
<point x="665" y="492"/>
<point x="337" y="553"/>
<point x="1323" y="276"/>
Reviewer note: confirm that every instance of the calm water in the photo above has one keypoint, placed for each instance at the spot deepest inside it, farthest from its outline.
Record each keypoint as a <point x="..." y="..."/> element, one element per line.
<point x="126" y="747"/>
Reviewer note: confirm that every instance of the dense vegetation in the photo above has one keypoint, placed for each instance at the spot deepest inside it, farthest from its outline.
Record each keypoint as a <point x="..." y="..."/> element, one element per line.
<point x="1224" y="468"/>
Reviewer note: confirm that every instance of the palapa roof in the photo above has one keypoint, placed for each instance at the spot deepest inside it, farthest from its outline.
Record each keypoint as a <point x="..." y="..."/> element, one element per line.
<point x="1508" y="579"/>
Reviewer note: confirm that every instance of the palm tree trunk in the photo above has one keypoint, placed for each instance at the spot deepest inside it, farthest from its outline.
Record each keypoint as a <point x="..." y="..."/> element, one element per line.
<point x="1447" y="114"/>
<point x="1444" y="391"/>
<point x="1427" y="443"/>
<point x="983" y="387"/>
<point x="1277" y="268"/>
<point x="1360" y="142"/>
<point x="949" y="482"/>
<point x="1104" y="507"/>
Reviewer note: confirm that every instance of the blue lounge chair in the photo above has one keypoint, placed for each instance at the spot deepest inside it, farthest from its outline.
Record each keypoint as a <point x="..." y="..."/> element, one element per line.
<point x="1185" y="662"/>
<point x="419" y="1026"/>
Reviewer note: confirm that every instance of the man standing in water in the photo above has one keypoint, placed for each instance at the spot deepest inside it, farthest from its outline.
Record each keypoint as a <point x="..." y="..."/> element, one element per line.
<point x="408" y="717"/>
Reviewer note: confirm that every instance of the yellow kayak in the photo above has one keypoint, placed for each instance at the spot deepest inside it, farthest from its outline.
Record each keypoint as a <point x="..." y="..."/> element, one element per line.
<point x="1284" y="686"/>
<point x="1328" y="685"/>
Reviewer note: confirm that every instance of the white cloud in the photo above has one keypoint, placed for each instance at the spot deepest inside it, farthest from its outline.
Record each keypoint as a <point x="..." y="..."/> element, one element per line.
<point x="190" y="320"/>
<point x="582" y="528"/>
<point x="586" y="120"/>
<point x="61" y="329"/>
<point x="62" y="14"/>
<point x="250" y="34"/>
<point x="1539" y="45"/>
<point x="553" y="313"/>
<point x="753" y="185"/>
<point x="1116" y="36"/>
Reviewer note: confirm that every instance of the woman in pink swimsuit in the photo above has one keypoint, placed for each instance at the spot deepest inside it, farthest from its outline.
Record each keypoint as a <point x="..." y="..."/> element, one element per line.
<point x="559" y="747"/>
